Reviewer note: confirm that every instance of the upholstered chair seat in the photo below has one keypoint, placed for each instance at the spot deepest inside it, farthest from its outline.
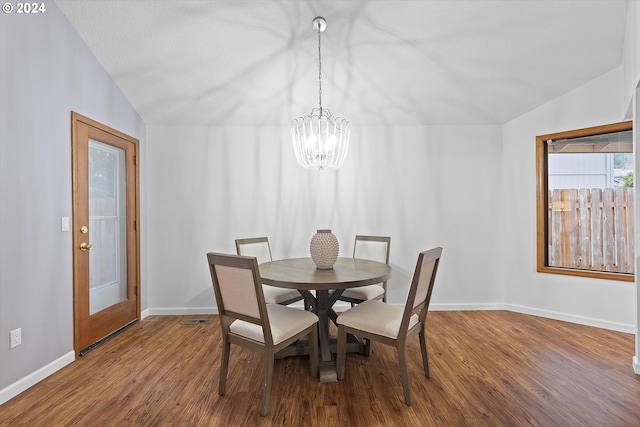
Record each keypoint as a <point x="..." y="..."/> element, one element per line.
<point x="284" y="322"/>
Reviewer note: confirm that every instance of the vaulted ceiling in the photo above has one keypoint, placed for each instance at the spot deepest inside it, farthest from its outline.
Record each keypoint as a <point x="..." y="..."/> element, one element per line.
<point x="237" y="62"/>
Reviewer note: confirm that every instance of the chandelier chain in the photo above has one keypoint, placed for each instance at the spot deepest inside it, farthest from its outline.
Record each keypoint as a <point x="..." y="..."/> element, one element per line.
<point x="319" y="73"/>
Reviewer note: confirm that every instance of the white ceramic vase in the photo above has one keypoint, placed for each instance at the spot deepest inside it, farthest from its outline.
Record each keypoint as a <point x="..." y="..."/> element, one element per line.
<point x="324" y="249"/>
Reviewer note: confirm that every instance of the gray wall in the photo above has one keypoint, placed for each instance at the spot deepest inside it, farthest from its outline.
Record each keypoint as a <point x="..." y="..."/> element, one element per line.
<point x="46" y="71"/>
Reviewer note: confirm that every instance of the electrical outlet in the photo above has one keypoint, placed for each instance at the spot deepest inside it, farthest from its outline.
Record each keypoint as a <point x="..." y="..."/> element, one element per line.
<point x="16" y="337"/>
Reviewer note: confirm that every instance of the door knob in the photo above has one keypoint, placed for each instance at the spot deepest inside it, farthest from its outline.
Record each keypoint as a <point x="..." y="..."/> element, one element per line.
<point x="85" y="246"/>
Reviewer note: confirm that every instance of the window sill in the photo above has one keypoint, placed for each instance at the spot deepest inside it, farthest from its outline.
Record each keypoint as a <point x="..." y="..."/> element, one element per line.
<point x="624" y="277"/>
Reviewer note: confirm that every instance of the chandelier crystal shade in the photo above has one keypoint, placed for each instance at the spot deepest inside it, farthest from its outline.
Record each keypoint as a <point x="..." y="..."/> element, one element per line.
<point x="320" y="140"/>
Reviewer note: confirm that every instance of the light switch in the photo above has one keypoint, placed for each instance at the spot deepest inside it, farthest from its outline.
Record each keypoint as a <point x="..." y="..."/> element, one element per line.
<point x="64" y="221"/>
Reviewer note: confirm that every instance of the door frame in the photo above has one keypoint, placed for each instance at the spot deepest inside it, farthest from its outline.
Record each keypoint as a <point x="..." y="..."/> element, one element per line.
<point x="80" y="269"/>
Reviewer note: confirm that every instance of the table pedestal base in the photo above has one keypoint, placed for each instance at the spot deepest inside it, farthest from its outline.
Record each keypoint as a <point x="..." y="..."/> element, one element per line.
<point x="328" y="373"/>
<point x="321" y="289"/>
<point x="327" y="368"/>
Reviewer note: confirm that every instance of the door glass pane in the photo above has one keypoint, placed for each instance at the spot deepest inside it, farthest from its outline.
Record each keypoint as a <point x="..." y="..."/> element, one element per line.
<point x="107" y="230"/>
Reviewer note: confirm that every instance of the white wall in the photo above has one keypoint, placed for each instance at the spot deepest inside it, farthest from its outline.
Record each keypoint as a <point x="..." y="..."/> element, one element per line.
<point x="631" y="55"/>
<point x="423" y="186"/>
<point x="46" y="71"/>
<point x="597" y="302"/>
<point x="471" y="190"/>
<point x="636" y="149"/>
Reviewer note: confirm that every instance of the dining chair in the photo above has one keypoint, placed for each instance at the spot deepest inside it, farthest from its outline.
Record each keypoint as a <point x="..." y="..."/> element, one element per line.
<point x="248" y="321"/>
<point x="375" y="248"/>
<point x="392" y="324"/>
<point x="259" y="247"/>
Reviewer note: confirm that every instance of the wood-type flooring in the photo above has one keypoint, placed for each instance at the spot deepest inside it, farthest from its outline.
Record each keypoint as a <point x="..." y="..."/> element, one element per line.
<point x="488" y="368"/>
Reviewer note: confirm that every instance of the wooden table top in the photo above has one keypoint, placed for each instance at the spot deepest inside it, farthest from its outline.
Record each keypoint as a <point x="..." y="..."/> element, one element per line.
<point x="301" y="273"/>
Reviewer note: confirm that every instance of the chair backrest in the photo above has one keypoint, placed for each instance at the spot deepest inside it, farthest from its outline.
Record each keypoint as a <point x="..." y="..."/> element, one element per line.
<point x="421" y="288"/>
<point x="375" y="248"/>
<point x="238" y="290"/>
<point x="256" y="247"/>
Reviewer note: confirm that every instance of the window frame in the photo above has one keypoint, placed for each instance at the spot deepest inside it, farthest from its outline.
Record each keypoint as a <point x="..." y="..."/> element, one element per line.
<point x="542" y="202"/>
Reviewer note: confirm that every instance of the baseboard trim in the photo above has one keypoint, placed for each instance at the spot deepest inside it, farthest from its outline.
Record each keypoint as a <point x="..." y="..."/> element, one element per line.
<point x="182" y="311"/>
<point x="340" y="306"/>
<point x="467" y="307"/>
<point x="549" y="314"/>
<point x="581" y="320"/>
<point x="32" y="379"/>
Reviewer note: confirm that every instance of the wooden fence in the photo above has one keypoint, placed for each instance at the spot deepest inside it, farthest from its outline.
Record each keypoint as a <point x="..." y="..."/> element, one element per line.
<point x="592" y="229"/>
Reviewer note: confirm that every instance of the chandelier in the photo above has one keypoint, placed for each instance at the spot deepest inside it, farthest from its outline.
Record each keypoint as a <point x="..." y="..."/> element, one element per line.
<point x="320" y="140"/>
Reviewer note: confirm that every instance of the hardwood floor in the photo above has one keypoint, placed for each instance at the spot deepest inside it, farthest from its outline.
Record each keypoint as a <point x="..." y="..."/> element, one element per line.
<point x="488" y="368"/>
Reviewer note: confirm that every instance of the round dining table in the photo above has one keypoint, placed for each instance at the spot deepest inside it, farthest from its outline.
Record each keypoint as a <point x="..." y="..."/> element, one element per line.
<point x="303" y="275"/>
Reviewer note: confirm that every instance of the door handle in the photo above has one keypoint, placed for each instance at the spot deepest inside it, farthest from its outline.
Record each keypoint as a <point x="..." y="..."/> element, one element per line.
<point x="85" y="246"/>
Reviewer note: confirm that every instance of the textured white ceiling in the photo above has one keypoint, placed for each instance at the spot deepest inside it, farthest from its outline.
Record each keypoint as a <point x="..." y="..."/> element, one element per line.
<point x="383" y="61"/>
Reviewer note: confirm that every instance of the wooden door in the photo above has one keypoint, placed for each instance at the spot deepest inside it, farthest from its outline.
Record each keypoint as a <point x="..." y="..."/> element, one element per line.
<point x="105" y="231"/>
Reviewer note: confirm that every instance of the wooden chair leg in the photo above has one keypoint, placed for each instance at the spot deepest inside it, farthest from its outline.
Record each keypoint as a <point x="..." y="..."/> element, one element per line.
<point x="266" y="385"/>
<point x="404" y="373"/>
<point x="367" y="346"/>
<point x="224" y="366"/>
<point x="425" y="352"/>
<point x="341" y="351"/>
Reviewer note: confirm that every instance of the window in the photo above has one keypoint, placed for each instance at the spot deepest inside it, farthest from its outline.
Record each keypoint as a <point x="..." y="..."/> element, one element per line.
<point x="585" y="202"/>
